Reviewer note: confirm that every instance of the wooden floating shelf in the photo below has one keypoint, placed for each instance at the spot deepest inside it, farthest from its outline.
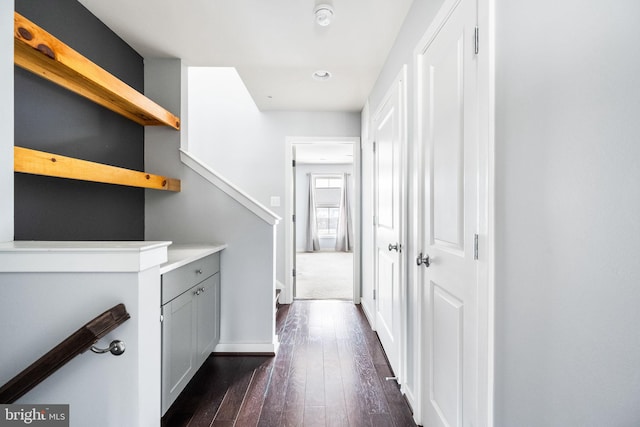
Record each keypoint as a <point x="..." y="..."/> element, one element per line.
<point x="41" y="53"/>
<point x="42" y="163"/>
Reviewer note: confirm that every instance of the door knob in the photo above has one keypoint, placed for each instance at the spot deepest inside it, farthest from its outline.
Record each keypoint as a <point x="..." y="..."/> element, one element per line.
<point x="423" y="260"/>
<point x="393" y="247"/>
<point x="116" y="348"/>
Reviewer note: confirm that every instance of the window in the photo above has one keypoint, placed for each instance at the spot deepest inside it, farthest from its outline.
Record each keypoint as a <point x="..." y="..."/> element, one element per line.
<point x="328" y="192"/>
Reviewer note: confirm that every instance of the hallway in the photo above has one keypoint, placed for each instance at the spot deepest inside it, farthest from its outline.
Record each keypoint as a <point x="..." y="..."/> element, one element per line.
<point x="324" y="275"/>
<point x="330" y="371"/>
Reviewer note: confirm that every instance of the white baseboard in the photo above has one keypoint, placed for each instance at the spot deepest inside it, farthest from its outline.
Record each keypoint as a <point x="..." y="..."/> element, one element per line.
<point x="408" y="394"/>
<point x="250" y="348"/>
<point x="368" y="314"/>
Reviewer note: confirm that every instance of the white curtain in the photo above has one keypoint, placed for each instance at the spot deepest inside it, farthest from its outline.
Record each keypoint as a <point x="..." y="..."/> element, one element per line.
<point x="344" y="237"/>
<point x="313" y="243"/>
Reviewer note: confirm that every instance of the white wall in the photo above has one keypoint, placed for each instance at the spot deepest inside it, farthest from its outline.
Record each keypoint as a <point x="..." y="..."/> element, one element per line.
<point x="568" y="213"/>
<point x="567" y="207"/>
<point x="6" y="125"/>
<point x="248" y="146"/>
<point x="202" y="213"/>
<point x="302" y="199"/>
<point x="41" y="308"/>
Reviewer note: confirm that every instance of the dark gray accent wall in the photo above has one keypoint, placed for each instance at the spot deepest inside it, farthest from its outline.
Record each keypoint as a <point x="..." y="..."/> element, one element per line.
<point x="53" y="119"/>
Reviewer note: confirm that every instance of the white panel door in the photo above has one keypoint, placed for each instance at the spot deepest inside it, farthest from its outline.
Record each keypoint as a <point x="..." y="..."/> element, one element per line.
<point x="449" y="220"/>
<point x="389" y="134"/>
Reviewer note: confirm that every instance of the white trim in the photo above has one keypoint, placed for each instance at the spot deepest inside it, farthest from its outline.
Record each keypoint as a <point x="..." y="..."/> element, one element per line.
<point x="398" y="87"/>
<point x="411" y="398"/>
<point x="367" y="263"/>
<point x="486" y="21"/>
<point x="371" y="316"/>
<point x="289" y="244"/>
<point x="263" y="348"/>
<point x="230" y="189"/>
<point x="357" y="220"/>
<point x="434" y="28"/>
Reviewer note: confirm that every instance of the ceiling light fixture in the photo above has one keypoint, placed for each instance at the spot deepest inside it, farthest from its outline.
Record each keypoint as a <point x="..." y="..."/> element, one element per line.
<point x="323" y="14"/>
<point x="321" y="75"/>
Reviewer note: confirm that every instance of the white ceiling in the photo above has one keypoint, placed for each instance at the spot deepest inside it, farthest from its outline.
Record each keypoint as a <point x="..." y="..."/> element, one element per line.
<point x="274" y="44"/>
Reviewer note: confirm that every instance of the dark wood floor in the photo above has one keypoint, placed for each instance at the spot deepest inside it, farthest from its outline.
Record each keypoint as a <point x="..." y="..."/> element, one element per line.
<point x="330" y="371"/>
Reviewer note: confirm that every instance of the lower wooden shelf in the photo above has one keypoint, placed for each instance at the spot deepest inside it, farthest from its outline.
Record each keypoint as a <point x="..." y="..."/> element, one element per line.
<point x="36" y="162"/>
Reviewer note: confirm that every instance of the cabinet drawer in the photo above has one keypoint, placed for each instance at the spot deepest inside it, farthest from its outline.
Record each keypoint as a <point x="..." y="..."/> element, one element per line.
<point x="181" y="279"/>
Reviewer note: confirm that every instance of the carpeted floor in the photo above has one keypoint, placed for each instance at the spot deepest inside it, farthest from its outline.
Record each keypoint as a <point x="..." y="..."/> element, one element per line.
<point x="324" y="275"/>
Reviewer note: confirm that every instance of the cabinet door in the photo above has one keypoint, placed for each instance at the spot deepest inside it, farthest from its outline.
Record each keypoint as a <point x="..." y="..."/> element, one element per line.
<point x="178" y="346"/>
<point x="208" y="314"/>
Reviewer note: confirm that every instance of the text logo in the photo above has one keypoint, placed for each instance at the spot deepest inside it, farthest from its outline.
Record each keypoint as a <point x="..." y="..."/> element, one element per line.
<point x="34" y="415"/>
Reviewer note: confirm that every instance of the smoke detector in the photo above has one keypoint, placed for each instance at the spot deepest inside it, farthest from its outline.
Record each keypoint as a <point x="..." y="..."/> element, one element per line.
<point x="323" y="14"/>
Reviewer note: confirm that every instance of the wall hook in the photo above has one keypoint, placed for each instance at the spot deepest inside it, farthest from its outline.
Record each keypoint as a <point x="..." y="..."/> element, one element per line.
<point x="116" y="348"/>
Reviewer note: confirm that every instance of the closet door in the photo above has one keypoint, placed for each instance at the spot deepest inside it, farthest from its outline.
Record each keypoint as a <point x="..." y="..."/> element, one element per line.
<point x="388" y="181"/>
<point x="449" y="216"/>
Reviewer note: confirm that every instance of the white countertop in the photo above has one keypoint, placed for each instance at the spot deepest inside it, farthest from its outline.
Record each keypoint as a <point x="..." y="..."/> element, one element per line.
<point x="182" y="254"/>
<point x="80" y="246"/>
<point x="81" y="256"/>
<point x="96" y="256"/>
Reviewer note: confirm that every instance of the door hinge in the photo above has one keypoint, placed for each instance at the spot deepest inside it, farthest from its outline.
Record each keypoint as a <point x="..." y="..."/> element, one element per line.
<point x="293" y="163"/>
<point x="374" y="294"/>
<point x="475" y="246"/>
<point x="293" y="217"/>
<point x="374" y="146"/>
<point x="374" y="220"/>
<point x="293" y="272"/>
<point x="476" y="39"/>
<point x="161" y="318"/>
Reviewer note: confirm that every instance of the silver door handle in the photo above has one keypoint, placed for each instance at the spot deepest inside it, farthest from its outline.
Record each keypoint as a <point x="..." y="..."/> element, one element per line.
<point x="393" y="247"/>
<point x="423" y="260"/>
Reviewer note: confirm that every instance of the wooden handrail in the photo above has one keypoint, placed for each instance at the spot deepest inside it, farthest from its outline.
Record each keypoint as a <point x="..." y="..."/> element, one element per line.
<point x="78" y="342"/>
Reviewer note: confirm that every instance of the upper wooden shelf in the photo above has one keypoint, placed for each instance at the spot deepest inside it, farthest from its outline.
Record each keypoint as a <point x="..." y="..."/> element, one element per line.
<point x="41" y="53"/>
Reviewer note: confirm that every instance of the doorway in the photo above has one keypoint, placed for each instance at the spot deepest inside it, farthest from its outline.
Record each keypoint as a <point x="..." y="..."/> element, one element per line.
<point x="322" y="239"/>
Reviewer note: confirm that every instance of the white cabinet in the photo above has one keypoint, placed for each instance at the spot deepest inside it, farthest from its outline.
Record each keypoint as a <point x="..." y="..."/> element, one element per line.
<point x="178" y="344"/>
<point x="207" y="317"/>
<point x="191" y="322"/>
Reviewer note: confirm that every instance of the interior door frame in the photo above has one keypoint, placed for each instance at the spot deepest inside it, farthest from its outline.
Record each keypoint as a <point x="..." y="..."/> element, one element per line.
<point x="398" y="86"/>
<point x="289" y="207"/>
<point x="486" y="217"/>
